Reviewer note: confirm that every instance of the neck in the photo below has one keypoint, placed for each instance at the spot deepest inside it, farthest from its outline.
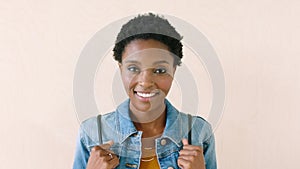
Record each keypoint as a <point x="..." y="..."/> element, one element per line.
<point x="154" y="127"/>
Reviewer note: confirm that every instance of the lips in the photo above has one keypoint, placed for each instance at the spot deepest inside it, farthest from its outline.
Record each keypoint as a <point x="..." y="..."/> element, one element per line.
<point x="146" y="95"/>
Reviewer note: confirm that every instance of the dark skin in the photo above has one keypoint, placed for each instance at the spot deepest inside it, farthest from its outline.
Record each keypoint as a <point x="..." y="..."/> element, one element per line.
<point x="190" y="157"/>
<point x="100" y="158"/>
<point x="153" y="128"/>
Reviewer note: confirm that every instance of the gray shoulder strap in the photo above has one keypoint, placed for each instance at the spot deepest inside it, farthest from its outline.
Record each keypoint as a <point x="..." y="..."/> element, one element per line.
<point x="99" y="128"/>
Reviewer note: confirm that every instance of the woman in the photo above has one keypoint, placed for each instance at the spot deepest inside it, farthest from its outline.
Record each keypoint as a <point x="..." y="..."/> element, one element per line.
<point x="146" y="131"/>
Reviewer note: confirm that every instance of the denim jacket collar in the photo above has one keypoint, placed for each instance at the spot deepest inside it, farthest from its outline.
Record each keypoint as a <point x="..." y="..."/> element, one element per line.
<point x="127" y="128"/>
<point x="123" y="121"/>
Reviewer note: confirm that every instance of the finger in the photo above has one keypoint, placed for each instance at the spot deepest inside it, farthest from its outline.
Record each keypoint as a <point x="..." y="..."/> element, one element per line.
<point x="185" y="142"/>
<point x="108" y="156"/>
<point x="186" y="145"/>
<point x="186" y="158"/>
<point x="107" y="153"/>
<point x="114" y="162"/>
<point x="192" y="147"/>
<point x="107" y="145"/>
<point x="112" y="156"/>
<point x="111" y="162"/>
<point x="182" y="163"/>
<point x="189" y="153"/>
<point x="95" y="148"/>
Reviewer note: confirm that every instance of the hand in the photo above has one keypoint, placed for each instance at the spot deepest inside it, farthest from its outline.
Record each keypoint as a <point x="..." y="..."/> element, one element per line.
<point x="191" y="157"/>
<point x="102" y="158"/>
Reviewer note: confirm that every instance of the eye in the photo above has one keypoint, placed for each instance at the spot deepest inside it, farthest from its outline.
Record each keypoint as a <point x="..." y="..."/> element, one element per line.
<point x="133" y="69"/>
<point x="160" y="71"/>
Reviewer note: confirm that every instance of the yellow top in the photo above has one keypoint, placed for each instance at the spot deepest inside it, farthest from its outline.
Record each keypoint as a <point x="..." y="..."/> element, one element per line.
<point x="149" y="163"/>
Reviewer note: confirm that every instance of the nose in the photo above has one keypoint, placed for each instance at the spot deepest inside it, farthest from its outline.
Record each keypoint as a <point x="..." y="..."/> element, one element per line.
<point x="145" y="78"/>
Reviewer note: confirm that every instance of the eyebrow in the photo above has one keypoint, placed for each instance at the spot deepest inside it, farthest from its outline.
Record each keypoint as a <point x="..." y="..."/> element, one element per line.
<point x="155" y="63"/>
<point x="132" y="61"/>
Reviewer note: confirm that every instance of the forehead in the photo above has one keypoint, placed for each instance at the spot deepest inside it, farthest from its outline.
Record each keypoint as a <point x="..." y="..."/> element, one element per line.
<point x="147" y="51"/>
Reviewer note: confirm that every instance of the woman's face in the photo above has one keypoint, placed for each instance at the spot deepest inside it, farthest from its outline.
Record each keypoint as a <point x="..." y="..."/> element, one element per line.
<point x="147" y="71"/>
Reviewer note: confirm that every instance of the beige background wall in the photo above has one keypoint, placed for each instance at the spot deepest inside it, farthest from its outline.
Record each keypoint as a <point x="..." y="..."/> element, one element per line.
<point x="257" y="43"/>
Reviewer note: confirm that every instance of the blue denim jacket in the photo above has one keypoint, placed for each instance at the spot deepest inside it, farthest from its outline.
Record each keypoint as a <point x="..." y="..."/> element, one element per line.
<point x="118" y="127"/>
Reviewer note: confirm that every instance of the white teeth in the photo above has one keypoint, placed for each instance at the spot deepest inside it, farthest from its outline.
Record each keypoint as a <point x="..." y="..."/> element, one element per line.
<point x="145" y="94"/>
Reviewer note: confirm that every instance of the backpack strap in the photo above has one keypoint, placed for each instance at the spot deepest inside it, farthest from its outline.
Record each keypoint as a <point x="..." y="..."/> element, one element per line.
<point x="99" y="128"/>
<point x="190" y="128"/>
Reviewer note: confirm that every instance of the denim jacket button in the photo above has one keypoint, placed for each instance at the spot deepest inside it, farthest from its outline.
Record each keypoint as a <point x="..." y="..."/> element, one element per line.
<point x="170" y="168"/>
<point x="163" y="142"/>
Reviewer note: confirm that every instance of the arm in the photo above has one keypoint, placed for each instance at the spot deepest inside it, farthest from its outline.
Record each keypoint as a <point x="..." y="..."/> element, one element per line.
<point x="202" y="156"/>
<point x="81" y="154"/>
<point x="100" y="156"/>
<point x="210" y="153"/>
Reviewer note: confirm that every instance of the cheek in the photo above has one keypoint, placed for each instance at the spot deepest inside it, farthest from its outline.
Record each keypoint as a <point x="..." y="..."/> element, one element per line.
<point x="127" y="82"/>
<point x="165" y="85"/>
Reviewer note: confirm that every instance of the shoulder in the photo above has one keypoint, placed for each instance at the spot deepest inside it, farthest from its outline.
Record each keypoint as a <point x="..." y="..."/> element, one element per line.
<point x="201" y="128"/>
<point x="198" y="121"/>
<point x="92" y="121"/>
<point x="89" y="128"/>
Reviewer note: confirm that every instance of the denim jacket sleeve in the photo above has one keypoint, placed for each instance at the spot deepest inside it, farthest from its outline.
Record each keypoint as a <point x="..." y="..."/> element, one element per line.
<point x="81" y="153"/>
<point x="209" y="147"/>
<point x="209" y="153"/>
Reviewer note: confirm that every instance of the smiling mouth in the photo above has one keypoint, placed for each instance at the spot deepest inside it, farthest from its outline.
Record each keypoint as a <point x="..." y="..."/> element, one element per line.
<point x="146" y="94"/>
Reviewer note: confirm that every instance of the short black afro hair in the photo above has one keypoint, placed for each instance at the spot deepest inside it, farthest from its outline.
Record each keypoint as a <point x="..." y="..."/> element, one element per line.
<point x="149" y="26"/>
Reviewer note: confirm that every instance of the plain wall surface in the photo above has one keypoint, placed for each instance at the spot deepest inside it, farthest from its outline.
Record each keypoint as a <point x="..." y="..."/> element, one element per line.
<point x="257" y="43"/>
